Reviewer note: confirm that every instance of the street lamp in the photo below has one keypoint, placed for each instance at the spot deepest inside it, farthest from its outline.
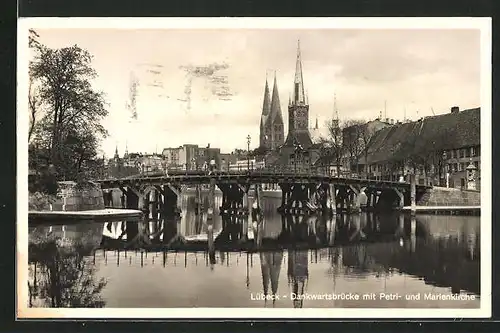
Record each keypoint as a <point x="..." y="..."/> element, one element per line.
<point x="248" y="152"/>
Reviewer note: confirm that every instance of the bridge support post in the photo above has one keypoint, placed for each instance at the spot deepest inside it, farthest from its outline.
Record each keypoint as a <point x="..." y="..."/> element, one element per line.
<point x="211" y="202"/>
<point x="401" y="200"/>
<point x="171" y="200"/>
<point x="354" y="199"/>
<point x="312" y="197"/>
<point x="153" y="200"/>
<point x="245" y="202"/>
<point x="332" y="197"/>
<point x="225" y="197"/>
<point x="198" y="200"/>
<point x="146" y="204"/>
<point x="413" y="233"/>
<point x="342" y="198"/>
<point x="131" y="199"/>
<point x="285" y="197"/>
<point x="413" y="194"/>
<point x="136" y="198"/>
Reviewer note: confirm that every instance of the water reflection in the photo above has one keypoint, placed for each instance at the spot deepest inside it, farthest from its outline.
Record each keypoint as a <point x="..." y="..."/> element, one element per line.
<point x="182" y="262"/>
<point x="61" y="271"/>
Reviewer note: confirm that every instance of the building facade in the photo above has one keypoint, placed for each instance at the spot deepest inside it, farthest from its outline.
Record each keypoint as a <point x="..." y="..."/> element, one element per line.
<point x="437" y="149"/>
<point x="190" y="157"/>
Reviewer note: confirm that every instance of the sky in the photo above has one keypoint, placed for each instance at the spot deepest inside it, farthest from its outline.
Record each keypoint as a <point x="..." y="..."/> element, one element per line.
<point x="204" y="86"/>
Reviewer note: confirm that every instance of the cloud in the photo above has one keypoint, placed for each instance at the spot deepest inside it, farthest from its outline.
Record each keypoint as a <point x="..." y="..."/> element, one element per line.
<point x="212" y="81"/>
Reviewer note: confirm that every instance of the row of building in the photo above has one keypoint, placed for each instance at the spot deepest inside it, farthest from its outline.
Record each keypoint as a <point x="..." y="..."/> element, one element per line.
<point x="187" y="157"/>
<point x="438" y="149"/>
<point x="441" y="150"/>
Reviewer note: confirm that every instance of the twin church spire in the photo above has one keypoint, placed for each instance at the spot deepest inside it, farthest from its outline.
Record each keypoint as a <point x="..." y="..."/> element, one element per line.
<point x="271" y="123"/>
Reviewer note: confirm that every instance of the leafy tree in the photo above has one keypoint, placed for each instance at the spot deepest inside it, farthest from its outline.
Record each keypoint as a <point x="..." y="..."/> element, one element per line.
<point x="34" y="101"/>
<point x="70" y="130"/>
<point x="353" y="133"/>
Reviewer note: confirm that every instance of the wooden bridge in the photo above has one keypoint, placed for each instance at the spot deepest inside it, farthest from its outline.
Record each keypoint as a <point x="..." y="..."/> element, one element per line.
<point x="302" y="193"/>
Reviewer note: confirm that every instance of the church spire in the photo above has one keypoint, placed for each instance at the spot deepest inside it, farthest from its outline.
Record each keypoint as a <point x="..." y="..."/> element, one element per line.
<point x="298" y="92"/>
<point x="266" y="105"/>
<point x="275" y="101"/>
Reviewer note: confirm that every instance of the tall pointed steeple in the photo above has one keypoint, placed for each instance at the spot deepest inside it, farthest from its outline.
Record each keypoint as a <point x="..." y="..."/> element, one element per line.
<point x="266" y="105"/>
<point x="298" y="110"/>
<point x="265" y="129"/>
<point x="298" y="91"/>
<point x="276" y="118"/>
<point x="275" y="101"/>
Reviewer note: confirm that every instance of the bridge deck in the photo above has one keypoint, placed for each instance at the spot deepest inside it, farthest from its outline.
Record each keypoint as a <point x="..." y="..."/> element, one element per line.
<point x="193" y="178"/>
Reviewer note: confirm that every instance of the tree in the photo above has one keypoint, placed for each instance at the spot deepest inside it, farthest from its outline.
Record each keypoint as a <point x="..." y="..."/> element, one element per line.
<point x="331" y="145"/>
<point x="34" y="102"/>
<point x="70" y="129"/>
<point x="353" y="133"/>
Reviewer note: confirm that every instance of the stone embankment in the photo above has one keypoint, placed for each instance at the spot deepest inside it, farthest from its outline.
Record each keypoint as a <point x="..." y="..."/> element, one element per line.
<point x="69" y="197"/>
<point x="442" y="196"/>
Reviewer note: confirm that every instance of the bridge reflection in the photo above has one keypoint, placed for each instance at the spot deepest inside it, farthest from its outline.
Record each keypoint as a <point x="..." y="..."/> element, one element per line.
<point x="238" y="233"/>
<point x="441" y="253"/>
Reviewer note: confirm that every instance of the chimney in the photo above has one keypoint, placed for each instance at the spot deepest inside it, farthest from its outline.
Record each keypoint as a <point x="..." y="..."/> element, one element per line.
<point x="455" y="109"/>
<point x="392" y="121"/>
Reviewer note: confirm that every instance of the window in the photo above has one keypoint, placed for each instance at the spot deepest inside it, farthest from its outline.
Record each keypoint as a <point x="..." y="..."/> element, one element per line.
<point x="466" y="153"/>
<point x="472" y="152"/>
<point x="452" y="154"/>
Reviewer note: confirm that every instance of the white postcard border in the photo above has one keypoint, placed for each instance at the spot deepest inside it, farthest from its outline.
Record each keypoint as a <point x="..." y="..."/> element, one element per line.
<point x="483" y="24"/>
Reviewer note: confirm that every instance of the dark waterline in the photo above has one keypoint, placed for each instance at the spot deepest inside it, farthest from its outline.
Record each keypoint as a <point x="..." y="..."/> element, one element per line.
<point x="145" y="263"/>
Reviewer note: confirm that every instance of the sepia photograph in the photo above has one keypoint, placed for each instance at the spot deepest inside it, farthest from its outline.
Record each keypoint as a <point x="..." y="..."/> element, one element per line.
<point x="254" y="167"/>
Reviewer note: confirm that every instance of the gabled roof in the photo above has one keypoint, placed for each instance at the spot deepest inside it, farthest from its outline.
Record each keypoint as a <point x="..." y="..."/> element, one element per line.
<point x="436" y="133"/>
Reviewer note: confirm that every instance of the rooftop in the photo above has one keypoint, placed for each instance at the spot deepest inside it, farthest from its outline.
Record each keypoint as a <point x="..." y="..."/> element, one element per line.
<point x="441" y="132"/>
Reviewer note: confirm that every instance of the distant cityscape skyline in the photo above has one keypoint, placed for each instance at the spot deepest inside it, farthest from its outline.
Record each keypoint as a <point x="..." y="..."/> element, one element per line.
<point x="215" y="96"/>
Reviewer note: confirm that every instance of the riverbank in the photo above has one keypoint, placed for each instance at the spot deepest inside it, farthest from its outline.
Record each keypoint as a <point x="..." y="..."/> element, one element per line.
<point x="74" y="203"/>
<point x="446" y="210"/>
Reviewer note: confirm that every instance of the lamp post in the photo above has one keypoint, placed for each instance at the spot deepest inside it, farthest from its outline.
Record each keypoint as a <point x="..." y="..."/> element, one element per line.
<point x="248" y="152"/>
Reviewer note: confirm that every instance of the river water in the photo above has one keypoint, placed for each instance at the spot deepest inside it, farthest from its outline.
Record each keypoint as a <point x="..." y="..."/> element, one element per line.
<point x="358" y="261"/>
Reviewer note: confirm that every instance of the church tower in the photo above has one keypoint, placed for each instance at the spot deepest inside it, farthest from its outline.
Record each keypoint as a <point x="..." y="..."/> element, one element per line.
<point x="278" y="131"/>
<point x="265" y="136"/>
<point x="272" y="132"/>
<point x="298" y="110"/>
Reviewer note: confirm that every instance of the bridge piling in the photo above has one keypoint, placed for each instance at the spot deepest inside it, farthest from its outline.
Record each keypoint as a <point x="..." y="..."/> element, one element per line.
<point x="132" y="199"/>
<point x="211" y="201"/>
<point x="413" y="195"/>
<point x="197" y="200"/>
<point x="146" y="204"/>
<point x="332" y="199"/>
